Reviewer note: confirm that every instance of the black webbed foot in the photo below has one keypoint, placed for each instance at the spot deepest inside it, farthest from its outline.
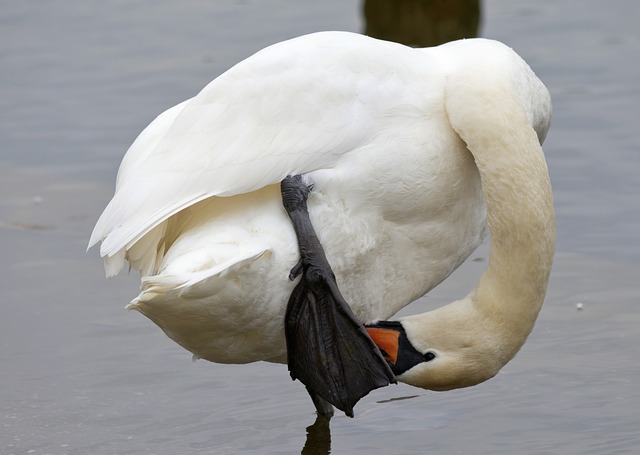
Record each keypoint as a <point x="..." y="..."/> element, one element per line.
<point x="328" y="349"/>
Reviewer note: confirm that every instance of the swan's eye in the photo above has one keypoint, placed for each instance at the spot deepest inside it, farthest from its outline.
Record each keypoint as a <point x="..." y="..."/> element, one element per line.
<point x="429" y="356"/>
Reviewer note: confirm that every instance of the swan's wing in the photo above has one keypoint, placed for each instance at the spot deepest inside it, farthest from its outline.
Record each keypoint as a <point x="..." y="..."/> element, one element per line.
<point x="292" y="108"/>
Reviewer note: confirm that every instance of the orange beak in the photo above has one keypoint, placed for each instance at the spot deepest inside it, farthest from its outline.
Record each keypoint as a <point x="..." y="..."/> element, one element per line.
<point x="387" y="341"/>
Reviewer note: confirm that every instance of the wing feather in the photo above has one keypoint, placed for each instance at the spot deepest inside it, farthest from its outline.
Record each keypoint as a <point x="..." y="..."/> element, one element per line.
<point x="292" y="108"/>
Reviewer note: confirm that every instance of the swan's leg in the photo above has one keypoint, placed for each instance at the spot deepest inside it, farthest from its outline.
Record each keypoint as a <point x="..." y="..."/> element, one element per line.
<point x="323" y="407"/>
<point x="328" y="349"/>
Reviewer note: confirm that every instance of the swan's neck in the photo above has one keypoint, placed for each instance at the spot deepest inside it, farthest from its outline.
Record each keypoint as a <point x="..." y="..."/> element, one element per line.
<point x="521" y="221"/>
<point x="474" y="337"/>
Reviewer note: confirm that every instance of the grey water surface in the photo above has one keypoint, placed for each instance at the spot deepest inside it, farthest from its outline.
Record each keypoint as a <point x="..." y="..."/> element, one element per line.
<point x="80" y="375"/>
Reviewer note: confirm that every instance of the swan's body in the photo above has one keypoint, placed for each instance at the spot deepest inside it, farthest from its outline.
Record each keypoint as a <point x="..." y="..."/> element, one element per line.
<point x="384" y="132"/>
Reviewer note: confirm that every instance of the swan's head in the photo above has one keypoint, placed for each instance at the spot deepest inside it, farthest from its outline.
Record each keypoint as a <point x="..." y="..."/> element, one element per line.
<point x="438" y="352"/>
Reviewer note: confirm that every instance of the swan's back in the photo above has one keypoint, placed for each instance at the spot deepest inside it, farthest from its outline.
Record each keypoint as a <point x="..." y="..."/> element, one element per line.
<point x="294" y="107"/>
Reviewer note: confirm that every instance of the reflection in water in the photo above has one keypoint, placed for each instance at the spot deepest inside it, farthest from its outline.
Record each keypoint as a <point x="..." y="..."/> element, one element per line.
<point x="318" y="438"/>
<point x="421" y="23"/>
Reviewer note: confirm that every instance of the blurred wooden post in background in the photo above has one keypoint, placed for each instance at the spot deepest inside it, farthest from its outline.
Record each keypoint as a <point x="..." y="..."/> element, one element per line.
<point x="421" y="23"/>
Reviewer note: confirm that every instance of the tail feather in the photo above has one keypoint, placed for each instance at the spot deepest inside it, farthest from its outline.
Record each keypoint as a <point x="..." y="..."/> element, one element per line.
<point x="194" y="284"/>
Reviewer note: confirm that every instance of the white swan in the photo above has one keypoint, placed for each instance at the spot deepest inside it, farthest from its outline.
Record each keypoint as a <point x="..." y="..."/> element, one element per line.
<point x="403" y="147"/>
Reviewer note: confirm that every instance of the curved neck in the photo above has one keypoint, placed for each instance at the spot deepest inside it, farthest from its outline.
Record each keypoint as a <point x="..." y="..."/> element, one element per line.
<point x="517" y="190"/>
